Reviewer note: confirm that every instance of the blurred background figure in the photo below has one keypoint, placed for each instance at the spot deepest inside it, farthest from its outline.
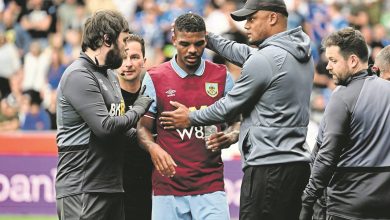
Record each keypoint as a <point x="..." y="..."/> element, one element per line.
<point x="36" y="65"/>
<point x="33" y="115"/>
<point x="37" y="20"/>
<point x="14" y="32"/>
<point x="71" y="49"/>
<point x="9" y="118"/>
<point x="146" y="23"/>
<point x="9" y="62"/>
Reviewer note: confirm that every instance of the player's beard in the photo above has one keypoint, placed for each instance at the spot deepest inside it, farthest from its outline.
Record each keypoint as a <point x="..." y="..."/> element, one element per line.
<point x="114" y="58"/>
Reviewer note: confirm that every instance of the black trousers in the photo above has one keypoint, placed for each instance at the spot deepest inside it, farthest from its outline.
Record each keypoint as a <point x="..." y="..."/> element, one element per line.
<point x="273" y="192"/>
<point x="91" y="206"/>
<point x="138" y="196"/>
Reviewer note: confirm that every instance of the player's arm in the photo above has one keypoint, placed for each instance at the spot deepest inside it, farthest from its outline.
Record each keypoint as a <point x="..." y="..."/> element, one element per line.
<point x="234" y="52"/>
<point x="162" y="161"/>
<point x="244" y="95"/>
<point x="82" y="91"/>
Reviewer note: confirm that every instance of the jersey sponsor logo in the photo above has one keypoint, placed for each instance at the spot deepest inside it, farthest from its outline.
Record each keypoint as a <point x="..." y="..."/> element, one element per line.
<point x="170" y="92"/>
<point x="211" y="89"/>
<point x="117" y="109"/>
<point x="198" y="131"/>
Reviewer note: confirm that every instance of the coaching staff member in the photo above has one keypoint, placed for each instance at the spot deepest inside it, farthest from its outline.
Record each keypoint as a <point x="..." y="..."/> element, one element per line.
<point x="137" y="169"/>
<point x="353" y="161"/>
<point x="90" y="118"/>
<point x="273" y="94"/>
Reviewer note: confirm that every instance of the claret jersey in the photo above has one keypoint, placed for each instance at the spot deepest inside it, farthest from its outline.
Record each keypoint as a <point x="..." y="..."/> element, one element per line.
<point x="198" y="170"/>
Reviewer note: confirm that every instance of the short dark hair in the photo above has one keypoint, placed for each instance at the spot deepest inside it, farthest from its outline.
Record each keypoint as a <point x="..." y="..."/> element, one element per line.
<point x="190" y="22"/>
<point x="350" y="41"/>
<point x="139" y="39"/>
<point x="105" y="22"/>
<point x="34" y="97"/>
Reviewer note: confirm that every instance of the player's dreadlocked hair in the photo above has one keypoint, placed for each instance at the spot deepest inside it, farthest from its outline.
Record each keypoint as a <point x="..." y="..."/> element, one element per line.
<point x="190" y="22"/>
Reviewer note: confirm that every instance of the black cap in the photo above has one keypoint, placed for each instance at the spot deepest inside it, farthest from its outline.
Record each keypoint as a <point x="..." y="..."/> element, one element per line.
<point x="252" y="6"/>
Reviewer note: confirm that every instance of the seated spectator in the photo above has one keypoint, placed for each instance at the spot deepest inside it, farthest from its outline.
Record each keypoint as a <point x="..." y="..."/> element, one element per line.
<point x="9" y="119"/>
<point x="14" y="32"/>
<point x="34" y="116"/>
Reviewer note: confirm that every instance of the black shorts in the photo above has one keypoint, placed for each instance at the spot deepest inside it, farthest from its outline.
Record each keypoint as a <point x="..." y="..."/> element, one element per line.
<point x="91" y="206"/>
<point x="273" y="192"/>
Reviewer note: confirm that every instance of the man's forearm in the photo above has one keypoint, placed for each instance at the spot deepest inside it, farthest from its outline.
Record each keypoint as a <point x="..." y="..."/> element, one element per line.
<point x="233" y="131"/>
<point x="145" y="138"/>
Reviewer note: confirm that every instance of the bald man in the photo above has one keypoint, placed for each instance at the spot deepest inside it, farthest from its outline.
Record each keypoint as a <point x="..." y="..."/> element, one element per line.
<point x="382" y="63"/>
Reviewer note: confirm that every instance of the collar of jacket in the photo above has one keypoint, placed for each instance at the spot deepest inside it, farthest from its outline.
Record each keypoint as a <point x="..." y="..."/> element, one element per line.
<point x="92" y="64"/>
<point x="359" y="75"/>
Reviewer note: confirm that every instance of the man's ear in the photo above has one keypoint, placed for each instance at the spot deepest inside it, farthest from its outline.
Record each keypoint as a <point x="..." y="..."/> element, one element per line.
<point x="107" y="40"/>
<point x="273" y="18"/>
<point x="143" y="65"/>
<point x="353" y="61"/>
<point x="174" y="40"/>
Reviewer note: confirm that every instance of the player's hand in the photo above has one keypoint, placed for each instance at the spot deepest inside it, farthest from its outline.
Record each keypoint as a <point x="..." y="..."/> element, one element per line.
<point x="221" y="140"/>
<point x="162" y="161"/>
<point x="179" y="118"/>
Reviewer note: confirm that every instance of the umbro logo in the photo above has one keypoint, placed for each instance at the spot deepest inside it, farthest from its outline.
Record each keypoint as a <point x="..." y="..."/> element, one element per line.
<point x="170" y="92"/>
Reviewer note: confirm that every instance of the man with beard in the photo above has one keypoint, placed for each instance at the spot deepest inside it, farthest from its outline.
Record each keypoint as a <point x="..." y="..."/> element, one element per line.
<point x="137" y="170"/>
<point x="353" y="161"/>
<point x="91" y="119"/>
<point x="194" y="187"/>
<point x="381" y="68"/>
<point x="273" y="96"/>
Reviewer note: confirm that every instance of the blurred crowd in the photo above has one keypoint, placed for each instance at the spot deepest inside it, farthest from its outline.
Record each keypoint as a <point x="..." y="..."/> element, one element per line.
<point x="39" y="38"/>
